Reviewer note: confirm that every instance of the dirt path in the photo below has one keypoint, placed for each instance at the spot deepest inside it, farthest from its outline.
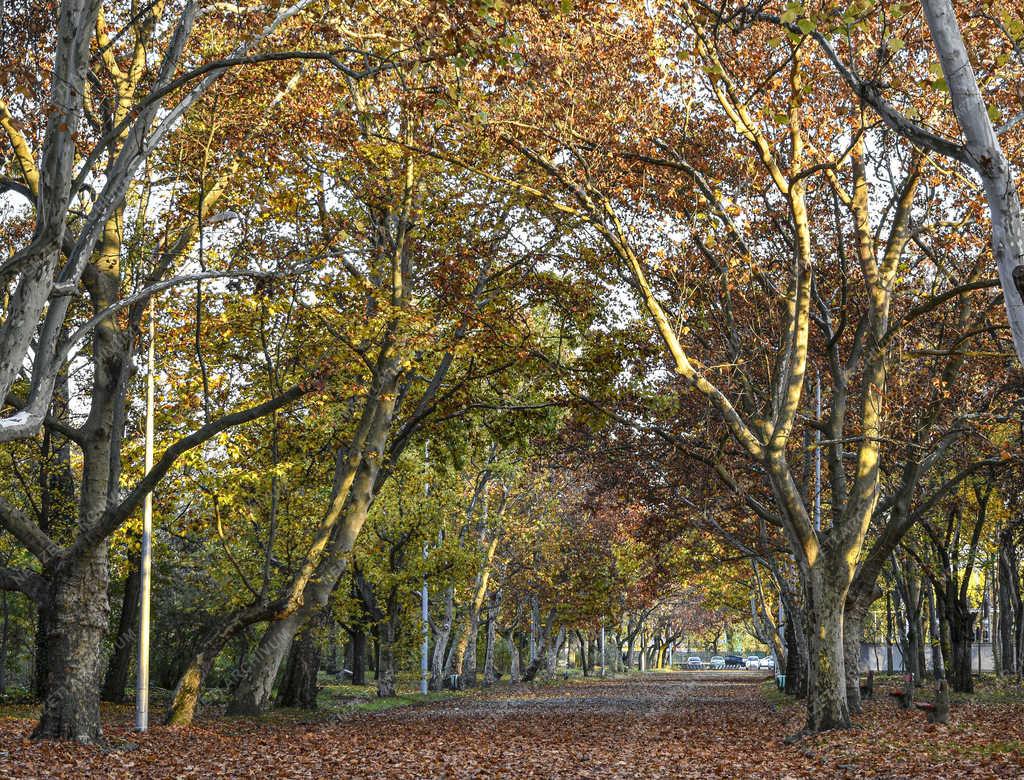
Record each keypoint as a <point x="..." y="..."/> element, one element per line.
<point x="686" y="725"/>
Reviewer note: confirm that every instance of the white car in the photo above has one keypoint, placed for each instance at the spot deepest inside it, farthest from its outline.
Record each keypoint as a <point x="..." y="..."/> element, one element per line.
<point x="694" y="662"/>
<point x="767" y="663"/>
<point x="751" y="661"/>
<point x="717" y="662"/>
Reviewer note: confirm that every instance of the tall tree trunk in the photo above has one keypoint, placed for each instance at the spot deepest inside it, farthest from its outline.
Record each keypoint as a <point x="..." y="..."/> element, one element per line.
<point x="355" y="487"/>
<point x="584" y="654"/>
<point x="298" y="684"/>
<point x="4" y="636"/>
<point x="853" y="630"/>
<point x="888" y="632"/>
<point x="441" y="640"/>
<point x="490" y="673"/>
<point x="389" y="628"/>
<point x="467" y="679"/>
<point x="514" y="663"/>
<point x="332" y="659"/>
<point x="78" y="621"/>
<point x="960" y="621"/>
<point x="40" y="657"/>
<point x="938" y="664"/>
<point x="827" y="707"/>
<point x="796" y="658"/>
<point x="1009" y="599"/>
<point x="465" y="646"/>
<point x="78" y="614"/>
<point x="116" y="680"/>
<point x="358" y="636"/>
<point x="253" y="693"/>
<point x="534" y="627"/>
<point x="549" y="642"/>
<point x="984" y="153"/>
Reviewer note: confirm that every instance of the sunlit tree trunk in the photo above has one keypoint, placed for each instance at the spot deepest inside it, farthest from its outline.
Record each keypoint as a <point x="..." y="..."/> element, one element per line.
<point x="253" y="693"/>
<point x="441" y="640"/>
<point x="490" y="631"/>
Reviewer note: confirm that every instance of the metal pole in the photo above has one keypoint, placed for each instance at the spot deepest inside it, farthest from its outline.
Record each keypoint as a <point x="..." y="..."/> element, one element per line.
<point x="146" y="553"/>
<point x="424" y="596"/>
<point x="817" y="454"/>
<point x="425" y="649"/>
<point x="602" y="652"/>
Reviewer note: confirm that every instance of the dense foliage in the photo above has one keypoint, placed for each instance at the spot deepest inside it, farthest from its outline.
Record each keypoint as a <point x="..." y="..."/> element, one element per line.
<point x="612" y="329"/>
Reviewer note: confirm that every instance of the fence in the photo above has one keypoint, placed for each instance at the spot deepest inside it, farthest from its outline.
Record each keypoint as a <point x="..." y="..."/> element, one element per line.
<point x="873" y="655"/>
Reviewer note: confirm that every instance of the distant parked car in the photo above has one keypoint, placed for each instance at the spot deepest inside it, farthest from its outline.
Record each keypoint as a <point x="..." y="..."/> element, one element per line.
<point x="751" y="661"/>
<point x="694" y="662"/>
<point x="767" y="663"/>
<point x="717" y="662"/>
<point x="733" y="662"/>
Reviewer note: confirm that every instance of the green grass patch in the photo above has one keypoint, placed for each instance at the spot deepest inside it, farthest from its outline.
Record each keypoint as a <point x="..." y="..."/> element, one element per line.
<point x="772" y="695"/>
<point x="997" y="747"/>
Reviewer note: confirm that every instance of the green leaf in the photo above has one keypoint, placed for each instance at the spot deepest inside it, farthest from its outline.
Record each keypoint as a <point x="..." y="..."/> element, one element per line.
<point x="806" y="26"/>
<point x="994" y="113"/>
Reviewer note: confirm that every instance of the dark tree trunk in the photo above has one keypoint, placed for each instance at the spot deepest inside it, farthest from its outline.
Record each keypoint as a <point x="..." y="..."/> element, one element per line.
<point x="961" y="637"/>
<point x="796" y="660"/>
<point x="584" y="654"/>
<point x="39" y="665"/>
<point x="912" y="649"/>
<point x="389" y="630"/>
<point x="116" y="680"/>
<point x="79" y="618"/>
<point x="298" y="686"/>
<point x="4" y="637"/>
<point x="888" y="632"/>
<point x="1009" y="599"/>
<point x="933" y="627"/>
<point x="332" y="658"/>
<point x="358" y="635"/>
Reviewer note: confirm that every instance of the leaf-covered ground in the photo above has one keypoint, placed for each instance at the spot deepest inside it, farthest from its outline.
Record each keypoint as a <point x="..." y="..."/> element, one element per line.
<point x="680" y="725"/>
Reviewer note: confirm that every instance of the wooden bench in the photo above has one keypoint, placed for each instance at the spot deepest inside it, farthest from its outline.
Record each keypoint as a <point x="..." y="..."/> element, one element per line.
<point x="906" y="693"/>
<point x="938" y="712"/>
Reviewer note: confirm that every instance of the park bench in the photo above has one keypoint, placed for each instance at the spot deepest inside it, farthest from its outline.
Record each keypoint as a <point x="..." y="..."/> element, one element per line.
<point x="905" y="695"/>
<point x="938" y="711"/>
